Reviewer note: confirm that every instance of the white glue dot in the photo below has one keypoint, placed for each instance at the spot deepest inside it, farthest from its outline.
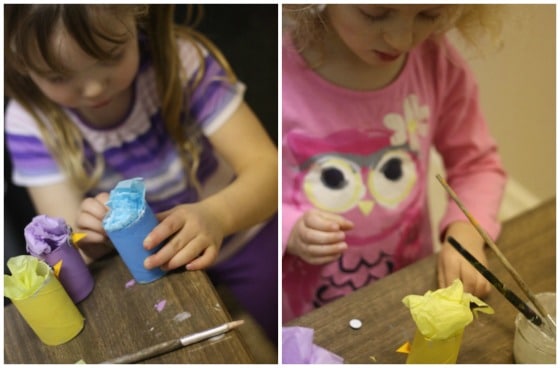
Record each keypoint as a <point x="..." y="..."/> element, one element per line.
<point x="355" y="324"/>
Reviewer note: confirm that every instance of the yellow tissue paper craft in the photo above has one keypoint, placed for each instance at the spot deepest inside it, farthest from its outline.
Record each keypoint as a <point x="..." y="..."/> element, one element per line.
<point x="441" y="317"/>
<point x="41" y="300"/>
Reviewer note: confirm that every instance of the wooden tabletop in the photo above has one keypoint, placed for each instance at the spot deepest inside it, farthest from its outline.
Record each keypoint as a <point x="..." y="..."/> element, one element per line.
<point x="528" y="242"/>
<point x="121" y="320"/>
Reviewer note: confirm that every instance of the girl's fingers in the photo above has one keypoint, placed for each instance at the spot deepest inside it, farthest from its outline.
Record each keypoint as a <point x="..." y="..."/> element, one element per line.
<point x="481" y="286"/>
<point x="205" y="260"/>
<point x="342" y="223"/>
<point x="318" y="251"/>
<point x="92" y="238"/>
<point x="326" y="221"/>
<point x="324" y="260"/>
<point x="196" y="251"/>
<point x="163" y="215"/>
<point x="441" y="280"/>
<point x="449" y="267"/>
<point x="93" y="228"/>
<point x="178" y="252"/>
<point x="89" y="222"/>
<point x="169" y="226"/>
<point x="94" y="207"/>
<point x="167" y="252"/>
<point x="102" y="198"/>
<point x="312" y="236"/>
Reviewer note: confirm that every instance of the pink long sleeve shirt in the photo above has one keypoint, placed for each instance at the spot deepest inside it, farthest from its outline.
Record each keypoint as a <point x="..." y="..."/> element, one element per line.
<point x="365" y="155"/>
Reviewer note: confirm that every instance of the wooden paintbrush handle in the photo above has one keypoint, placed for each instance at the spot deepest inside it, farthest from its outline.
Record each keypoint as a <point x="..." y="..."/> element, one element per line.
<point x="147" y="353"/>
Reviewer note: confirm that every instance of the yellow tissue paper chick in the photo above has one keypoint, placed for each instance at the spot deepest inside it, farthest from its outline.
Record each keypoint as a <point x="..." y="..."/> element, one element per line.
<point x="445" y="312"/>
<point x="28" y="275"/>
<point x="441" y="317"/>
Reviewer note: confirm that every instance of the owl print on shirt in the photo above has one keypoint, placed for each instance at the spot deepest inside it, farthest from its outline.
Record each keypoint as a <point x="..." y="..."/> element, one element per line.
<point x="371" y="178"/>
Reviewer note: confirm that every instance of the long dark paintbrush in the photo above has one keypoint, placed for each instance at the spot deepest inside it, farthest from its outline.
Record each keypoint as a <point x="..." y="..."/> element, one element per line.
<point x="508" y="294"/>
<point x="501" y="257"/>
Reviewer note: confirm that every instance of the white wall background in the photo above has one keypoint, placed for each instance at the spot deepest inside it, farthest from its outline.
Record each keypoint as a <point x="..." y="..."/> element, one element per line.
<point x="518" y="95"/>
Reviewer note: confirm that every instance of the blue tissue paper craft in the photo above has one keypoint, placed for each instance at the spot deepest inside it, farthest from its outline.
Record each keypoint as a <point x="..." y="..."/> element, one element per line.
<point x="129" y="220"/>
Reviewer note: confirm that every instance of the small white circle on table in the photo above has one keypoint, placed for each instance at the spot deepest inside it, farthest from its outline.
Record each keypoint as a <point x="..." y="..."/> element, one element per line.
<point x="355" y="324"/>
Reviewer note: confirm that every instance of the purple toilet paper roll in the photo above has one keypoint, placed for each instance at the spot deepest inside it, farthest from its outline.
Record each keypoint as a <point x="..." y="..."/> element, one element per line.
<point x="49" y="239"/>
<point x="74" y="275"/>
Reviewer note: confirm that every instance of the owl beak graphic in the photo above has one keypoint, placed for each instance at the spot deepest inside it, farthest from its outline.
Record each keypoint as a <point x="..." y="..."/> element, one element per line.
<point x="366" y="207"/>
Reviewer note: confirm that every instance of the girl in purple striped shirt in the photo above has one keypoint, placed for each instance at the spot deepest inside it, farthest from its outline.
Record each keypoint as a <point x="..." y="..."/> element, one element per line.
<point x="104" y="93"/>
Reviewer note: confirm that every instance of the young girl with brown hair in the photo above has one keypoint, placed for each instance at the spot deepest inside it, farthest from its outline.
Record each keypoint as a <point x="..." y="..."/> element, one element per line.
<point x="103" y="93"/>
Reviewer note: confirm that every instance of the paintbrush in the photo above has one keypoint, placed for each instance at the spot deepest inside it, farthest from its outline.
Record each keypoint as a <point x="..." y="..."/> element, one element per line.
<point x="508" y="294"/>
<point x="500" y="256"/>
<point x="171" y="345"/>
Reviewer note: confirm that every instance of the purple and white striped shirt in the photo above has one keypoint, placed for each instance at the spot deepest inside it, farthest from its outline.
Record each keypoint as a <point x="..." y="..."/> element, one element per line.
<point x="139" y="145"/>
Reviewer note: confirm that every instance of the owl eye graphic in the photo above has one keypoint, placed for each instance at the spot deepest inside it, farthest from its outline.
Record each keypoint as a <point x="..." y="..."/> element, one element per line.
<point x="334" y="184"/>
<point x="392" y="179"/>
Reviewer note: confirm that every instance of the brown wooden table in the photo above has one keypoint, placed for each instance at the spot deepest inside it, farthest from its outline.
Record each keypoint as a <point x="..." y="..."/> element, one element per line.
<point x="121" y="320"/>
<point x="528" y="242"/>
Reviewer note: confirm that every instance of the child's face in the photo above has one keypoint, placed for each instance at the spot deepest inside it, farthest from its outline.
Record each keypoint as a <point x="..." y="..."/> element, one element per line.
<point x="383" y="34"/>
<point x="91" y="83"/>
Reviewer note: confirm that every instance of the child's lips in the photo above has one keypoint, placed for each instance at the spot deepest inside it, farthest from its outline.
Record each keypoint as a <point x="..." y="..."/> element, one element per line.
<point x="387" y="57"/>
<point x="101" y="104"/>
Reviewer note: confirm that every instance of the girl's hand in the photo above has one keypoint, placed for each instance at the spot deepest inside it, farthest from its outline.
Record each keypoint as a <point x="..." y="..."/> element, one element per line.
<point x="194" y="237"/>
<point x="452" y="265"/>
<point x="89" y="221"/>
<point x="318" y="237"/>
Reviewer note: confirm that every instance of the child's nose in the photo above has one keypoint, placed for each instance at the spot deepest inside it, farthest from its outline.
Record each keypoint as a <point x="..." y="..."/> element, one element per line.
<point x="92" y="88"/>
<point x="401" y="40"/>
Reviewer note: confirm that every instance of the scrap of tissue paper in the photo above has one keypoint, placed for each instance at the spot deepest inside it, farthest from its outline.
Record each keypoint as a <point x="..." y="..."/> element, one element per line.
<point x="440" y="314"/>
<point x="45" y="234"/>
<point x="160" y="305"/>
<point x="127" y="203"/>
<point x="25" y="279"/>
<point x="298" y="348"/>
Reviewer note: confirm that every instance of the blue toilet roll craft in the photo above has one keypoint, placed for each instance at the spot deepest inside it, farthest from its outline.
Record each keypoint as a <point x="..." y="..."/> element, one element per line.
<point x="129" y="220"/>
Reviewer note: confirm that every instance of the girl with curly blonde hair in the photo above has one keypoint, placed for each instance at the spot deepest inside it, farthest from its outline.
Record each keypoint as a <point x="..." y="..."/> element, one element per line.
<point x="367" y="91"/>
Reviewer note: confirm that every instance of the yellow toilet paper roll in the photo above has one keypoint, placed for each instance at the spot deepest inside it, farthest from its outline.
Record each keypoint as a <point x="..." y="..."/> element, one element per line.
<point x="441" y="317"/>
<point x="49" y="311"/>
<point x="426" y="351"/>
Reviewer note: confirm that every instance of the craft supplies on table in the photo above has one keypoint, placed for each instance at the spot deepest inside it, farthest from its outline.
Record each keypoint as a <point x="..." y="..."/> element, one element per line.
<point x="530" y="344"/>
<point x="441" y="317"/>
<point x="167" y="346"/>
<point x="527" y="240"/>
<point x="42" y="301"/>
<point x="128" y="222"/>
<point x="52" y="240"/>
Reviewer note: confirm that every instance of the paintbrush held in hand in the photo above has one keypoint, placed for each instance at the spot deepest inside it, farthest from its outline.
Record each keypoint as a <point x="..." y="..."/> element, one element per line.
<point x="166" y="347"/>
<point x="550" y="323"/>
<point x="508" y="294"/>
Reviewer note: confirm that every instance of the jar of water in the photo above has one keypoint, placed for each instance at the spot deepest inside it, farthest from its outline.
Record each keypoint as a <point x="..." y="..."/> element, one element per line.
<point x="531" y="345"/>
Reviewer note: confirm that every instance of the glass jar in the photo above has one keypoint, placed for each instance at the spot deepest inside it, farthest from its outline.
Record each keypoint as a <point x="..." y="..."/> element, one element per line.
<point x="530" y="344"/>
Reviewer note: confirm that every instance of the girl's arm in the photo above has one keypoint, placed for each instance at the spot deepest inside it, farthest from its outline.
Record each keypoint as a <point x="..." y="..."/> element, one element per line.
<point x="253" y="196"/>
<point x="57" y="200"/>
<point x="470" y="154"/>
<point x="194" y="232"/>
<point x="474" y="171"/>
